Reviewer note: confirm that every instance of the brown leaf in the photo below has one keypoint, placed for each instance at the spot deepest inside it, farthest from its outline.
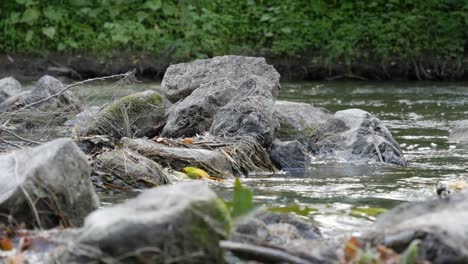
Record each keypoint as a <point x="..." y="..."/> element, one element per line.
<point x="25" y="243"/>
<point x="386" y="253"/>
<point x="352" y="248"/>
<point x="6" y="244"/>
<point x="188" y="141"/>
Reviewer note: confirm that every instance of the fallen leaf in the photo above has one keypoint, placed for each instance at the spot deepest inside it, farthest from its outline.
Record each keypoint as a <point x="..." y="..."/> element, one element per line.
<point x="188" y="141"/>
<point x="195" y="173"/>
<point x="352" y="248"/>
<point x="6" y="244"/>
<point x="25" y="243"/>
<point x="386" y="253"/>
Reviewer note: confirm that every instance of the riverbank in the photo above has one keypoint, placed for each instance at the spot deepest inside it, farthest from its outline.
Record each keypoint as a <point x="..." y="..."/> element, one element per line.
<point x="78" y="67"/>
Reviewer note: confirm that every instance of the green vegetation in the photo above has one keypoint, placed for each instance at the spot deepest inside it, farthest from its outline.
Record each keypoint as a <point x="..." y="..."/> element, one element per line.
<point x="325" y="30"/>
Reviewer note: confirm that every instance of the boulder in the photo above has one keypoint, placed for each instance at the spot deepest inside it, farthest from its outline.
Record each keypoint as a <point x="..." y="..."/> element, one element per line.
<point x="128" y="169"/>
<point x="9" y="87"/>
<point x="298" y="121"/>
<point x="275" y="229"/>
<point x="180" y="223"/>
<point x="84" y="119"/>
<point x="223" y="101"/>
<point x="47" y="186"/>
<point x="289" y="154"/>
<point x="44" y="87"/>
<point x="137" y="115"/>
<point x="440" y="225"/>
<point x="180" y="80"/>
<point x="213" y="162"/>
<point x="356" y="135"/>
<point x="459" y="132"/>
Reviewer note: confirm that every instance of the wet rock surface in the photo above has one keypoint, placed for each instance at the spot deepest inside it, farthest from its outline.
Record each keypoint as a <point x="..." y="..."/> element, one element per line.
<point x="298" y="121"/>
<point x="226" y="104"/>
<point x="356" y="135"/>
<point x="182" y="223"/>
<point x="289" y="155"/>
<point x="9" y="87"/>
<point x="440" y="225"/>
<point x="47" y="186"/>
<point x="137" y="115"/>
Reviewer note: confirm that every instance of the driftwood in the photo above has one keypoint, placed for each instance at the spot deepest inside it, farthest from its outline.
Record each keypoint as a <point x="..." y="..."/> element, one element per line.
<point x="262" y="253"/>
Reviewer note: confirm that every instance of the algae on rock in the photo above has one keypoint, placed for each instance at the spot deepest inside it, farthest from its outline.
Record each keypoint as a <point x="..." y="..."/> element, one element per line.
<point x="137" y="115"/>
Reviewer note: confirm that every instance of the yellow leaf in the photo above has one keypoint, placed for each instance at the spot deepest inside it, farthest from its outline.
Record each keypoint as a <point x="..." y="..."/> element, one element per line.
<point x="352" y="249"/>
<point x="195" y="173"/>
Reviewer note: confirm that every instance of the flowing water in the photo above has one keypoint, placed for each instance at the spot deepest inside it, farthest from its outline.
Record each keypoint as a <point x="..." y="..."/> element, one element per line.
<point x="336" y="196"/>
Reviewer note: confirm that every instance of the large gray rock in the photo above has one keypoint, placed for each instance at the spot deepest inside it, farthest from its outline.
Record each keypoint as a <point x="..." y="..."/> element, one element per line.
<point x="128" y="169"/>
<point x="9" y="87"/>
<point x="298" y="121"/>
<point x="137" y="115"/>
<point x="180" y="223"/>
<point x="230" y="96"/>
<point x="440" y="225"/>
<point x="289" y="154"/>
<point x="356" y="135"/>
<point x="459" y="132"/>
<point x="180" y="80"/>
<point x="213" y="162"/>
<point x="44" y="87"/>
<point x="47" y="186"/>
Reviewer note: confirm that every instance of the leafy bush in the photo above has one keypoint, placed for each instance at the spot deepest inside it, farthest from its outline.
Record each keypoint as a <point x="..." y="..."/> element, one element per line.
<point x="326" y="30"/>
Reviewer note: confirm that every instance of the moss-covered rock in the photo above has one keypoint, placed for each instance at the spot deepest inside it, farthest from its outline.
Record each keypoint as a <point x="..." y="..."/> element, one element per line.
<point x="137" y="115"/>
<point x="180" y="223"/>
<point x="298" y="121"/>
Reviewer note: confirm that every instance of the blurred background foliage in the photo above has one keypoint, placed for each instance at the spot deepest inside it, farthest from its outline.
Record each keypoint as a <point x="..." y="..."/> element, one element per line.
<point x="326" y="30"/>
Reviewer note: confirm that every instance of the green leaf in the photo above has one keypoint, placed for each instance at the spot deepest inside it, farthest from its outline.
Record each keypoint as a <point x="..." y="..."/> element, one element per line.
<point x="242" y="201"/>
<point x="30" y="16"/>
<point x="29" y="36"/>
<point x="152" y="4"/>
<point x="49" y="32"/>
<point x="265" y="17"/>
<point x="410" y="256"/>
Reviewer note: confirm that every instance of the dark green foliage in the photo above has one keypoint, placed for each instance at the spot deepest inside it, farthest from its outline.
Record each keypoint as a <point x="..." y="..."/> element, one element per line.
<point x="323" y="30"/>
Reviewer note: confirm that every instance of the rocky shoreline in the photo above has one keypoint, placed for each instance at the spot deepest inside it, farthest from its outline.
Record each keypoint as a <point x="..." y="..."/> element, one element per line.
<point x="213" y="120"/>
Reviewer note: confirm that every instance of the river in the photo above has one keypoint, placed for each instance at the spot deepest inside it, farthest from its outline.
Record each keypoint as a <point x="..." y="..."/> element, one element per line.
<point x="337" y="196"/>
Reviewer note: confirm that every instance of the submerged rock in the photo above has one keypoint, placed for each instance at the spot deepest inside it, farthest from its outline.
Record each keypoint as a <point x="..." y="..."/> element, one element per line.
<point x="440" y="225"/>
<point x="215" y="163"/>
<point x="128" y="169"/>
<point x="47" y="186"/>
<point x="9" y="87"/>
<point x="180" y="223"/>
<point x="137" y="115"/>
<point x="459" y="132"/>
<point x="298" y="121"/>
<point x="356" y="135"/>
<point x="44" y="87"/>
<point x="224" y="101"/>
<point x="289" y="154"/>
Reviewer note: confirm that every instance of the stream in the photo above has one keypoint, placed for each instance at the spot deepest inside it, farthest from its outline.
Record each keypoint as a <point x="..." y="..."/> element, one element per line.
<point x="339" y="196"/>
